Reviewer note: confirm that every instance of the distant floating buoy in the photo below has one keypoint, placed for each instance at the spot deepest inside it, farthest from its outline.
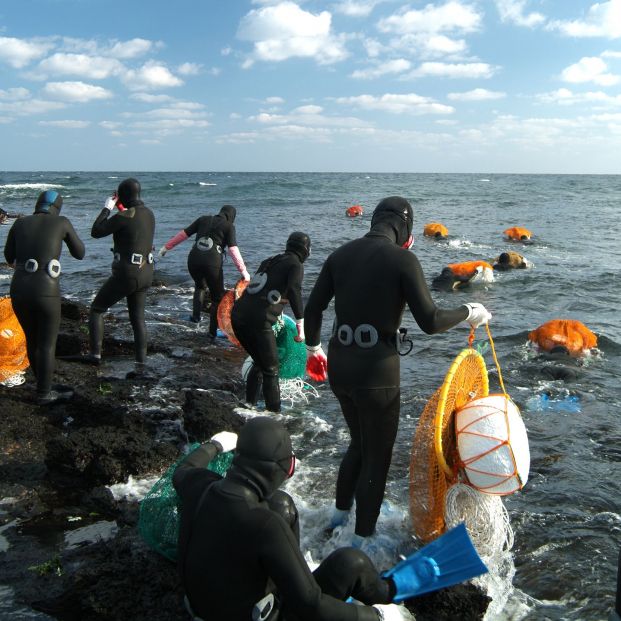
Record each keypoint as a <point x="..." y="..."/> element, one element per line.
<point x="354" y="210"/>
<point x="480" y="271"/>
<point x="435" y="229"/>
<point x="564" y="335"/>
<point x="517" y="233"/>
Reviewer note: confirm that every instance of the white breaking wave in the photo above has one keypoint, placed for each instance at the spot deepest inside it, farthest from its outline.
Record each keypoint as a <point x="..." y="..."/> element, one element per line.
<point x="30" y="186"/>
<point x="203" y="183"/>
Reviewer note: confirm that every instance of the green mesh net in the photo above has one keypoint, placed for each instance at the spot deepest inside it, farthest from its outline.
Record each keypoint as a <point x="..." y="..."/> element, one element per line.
<point x="158" y="523"/>
<point x="291" y="354"/>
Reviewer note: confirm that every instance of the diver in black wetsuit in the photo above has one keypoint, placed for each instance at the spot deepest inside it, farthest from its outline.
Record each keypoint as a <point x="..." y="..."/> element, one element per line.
<point x="132" y="268"/>
<point x="239" y="553"/>
<point x="34" y="244"/>
<point x="213" y="235"/>
<point x="277" y="281"/>
<point x="371" y="279"/>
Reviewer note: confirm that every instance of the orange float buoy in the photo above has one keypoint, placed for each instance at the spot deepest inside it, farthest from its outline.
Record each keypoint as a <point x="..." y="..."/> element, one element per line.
<point x="518" y="233"/>
<point x="354" y="210"/>
<point x="13" y="355"/>
<point x="468" y="269"/>
<point x="226" y="306"/>
<point x="569" y="334"/>
<point x="435" y="229"/>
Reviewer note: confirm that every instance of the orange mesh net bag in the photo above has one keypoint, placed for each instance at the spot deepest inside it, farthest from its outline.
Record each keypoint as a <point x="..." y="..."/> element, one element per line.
<point x="433" y="461"/>
<point x="226" y="306"/>
<point x="13" y="355"/>
<point x="435" y="229"/>
<point x="518" y="233"/>
<point x="568" y="333"/>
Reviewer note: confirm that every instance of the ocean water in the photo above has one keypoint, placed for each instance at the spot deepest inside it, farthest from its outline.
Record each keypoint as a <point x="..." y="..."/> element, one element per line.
<point x="567" y="520"/>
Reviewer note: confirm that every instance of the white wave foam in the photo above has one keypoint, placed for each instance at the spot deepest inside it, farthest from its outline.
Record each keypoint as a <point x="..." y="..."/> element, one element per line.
<point x="30" y="186"/>
<point x="133" y="489"/>
<point x="204" y="183"/>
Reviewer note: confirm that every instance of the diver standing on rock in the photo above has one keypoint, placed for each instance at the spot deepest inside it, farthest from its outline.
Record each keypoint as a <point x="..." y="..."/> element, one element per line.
<point x="277" y="281"/>
<point x="371" y="280"/>
<point x="132" y="229"/>
<point x="214" y="234"/>
<point x="34" y="244"/>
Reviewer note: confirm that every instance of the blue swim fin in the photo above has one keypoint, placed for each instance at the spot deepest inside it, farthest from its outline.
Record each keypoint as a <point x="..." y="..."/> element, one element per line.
<point x="448" y="560"/>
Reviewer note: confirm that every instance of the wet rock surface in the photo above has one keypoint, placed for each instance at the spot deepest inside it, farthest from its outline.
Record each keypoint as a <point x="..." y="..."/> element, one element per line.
<point x="68" y="549"/>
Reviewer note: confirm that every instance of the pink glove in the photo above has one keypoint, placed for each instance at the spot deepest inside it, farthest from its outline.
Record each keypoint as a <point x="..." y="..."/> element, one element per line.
<point x="316" y="363"/>
<point x="299" y="324"/>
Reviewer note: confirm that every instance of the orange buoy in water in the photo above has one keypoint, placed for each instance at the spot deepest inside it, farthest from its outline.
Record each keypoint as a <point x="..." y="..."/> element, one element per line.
<point x="435" y="229"/>
<point x="468" y="269"/>
<point x="518" y="233"/>
<point x="568" y="334"/>
<point x="354" y="210"/>
<point x="226" y="306"/>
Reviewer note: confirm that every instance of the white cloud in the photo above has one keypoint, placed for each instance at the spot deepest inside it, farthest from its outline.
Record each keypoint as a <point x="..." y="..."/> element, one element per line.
<point x="565" y="97"/>
<point x="152" y="75"/>
<point x="81" y="65"/>
<point x="397" y="104"/>
<point x="151" y="98"/>
<point x="307" y="116"/>
<point x="602" y="20"/>
<point x="76" y="91"/>
<point x="109" y="124"/>
<point x="67" y="124"/>
<point x="452" y="16"/>
<point x="589" y="69"/>
<point x="171" y="124"/>
<point x="15" y="94"/>
<point x="356" y="8"/>
<point x="132" y="48"/>
<point x="610" y="54"/>
<point x="513" y="11"/>
<point x="309" y="109"/>
<point x="274" y="101"/>
<point x="189" y="69"/>
<point x="477" y="94"/>
<point x="453" y="70"/>
<point x="398" y="65"/>
<point x="29" y="107"/>
<point x="20" y="52"/>
<point x="286" y="31"/>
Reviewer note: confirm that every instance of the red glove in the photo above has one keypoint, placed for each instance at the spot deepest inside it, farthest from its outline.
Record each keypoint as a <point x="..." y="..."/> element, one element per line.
<point x="316" y="363"/>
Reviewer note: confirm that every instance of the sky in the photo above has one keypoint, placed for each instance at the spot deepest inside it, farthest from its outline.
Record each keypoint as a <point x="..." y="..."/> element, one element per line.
<point x="497" y="86"/>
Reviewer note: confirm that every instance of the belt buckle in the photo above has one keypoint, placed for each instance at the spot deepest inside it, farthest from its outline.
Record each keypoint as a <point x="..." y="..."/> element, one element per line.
<point x="31" y="266"/>
<point x="136" y="258"/>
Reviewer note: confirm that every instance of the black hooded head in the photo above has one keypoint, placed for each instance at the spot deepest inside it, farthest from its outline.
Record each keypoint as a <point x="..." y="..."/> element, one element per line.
<point x="129" y="192"/>
<point x="49" y="201"/>
<point x="229" y="212"/>
<point x="263" y="455"/>
<point x="300" y="244"/>
<point x="394" y="216"/>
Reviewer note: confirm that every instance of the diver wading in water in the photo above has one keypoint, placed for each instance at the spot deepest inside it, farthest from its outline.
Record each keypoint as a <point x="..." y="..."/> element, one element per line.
<point x="278" y="281"/>
<point x="34" y="244"/>
<point x="371" y="280"/>
<point x="132" y="230"/>
<point x="239" y="551"/>
<point x="214" y="234"/>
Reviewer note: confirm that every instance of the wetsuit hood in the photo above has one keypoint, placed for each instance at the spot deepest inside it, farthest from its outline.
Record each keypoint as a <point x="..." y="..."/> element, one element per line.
<point x="129" y="192"/>
<point x="300" y="244"/>
<point x="229" y="212"/>
<point x="393" y="216"/>
<point x="263" y="456"/>
<point x="50" y="202"/>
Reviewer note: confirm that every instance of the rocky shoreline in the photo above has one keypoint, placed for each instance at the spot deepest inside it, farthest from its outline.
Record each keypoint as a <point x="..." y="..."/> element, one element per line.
<point x="69" y="549"/>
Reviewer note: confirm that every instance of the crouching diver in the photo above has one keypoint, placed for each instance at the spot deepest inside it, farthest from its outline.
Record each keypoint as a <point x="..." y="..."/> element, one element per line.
<point x="34" y="244"/>
<point x="132" y="229"/>
<point x="239" y="553"/>
<point x="213" y="235"/>
<point x="371" y="280"/>
<point x="277" y="281"/>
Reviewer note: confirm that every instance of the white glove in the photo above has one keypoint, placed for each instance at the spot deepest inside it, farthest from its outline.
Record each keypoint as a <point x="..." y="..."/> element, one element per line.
<point x="392" y="612"/>
<point x="299" y="324"/>
<point x="110" y="203"/>
<point x="478" y="315"/>
<point x="225" y="441"/>
<point x="245" y="275"/>
<point x="163" y="251"/>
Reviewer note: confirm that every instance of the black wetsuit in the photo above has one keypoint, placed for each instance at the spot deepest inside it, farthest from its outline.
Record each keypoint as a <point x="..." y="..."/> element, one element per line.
<point x="36" y="295"/>
<point x="132" y="272"/>
<point x="277" y="281"/>
<point x="237" y="545"/>
<point x="213" y="235"/>
<point x="371" y="279"/>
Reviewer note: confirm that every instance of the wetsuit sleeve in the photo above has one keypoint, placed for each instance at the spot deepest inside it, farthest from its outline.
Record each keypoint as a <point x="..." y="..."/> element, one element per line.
<point x="198" y="460"/>
<point x="190" y="230"/>
<point x="74" y="243"/>
<point x="294" y="290"/>
<point x="10" y="252"/>
<point x="428" y="316"/>
<point x="231" y="237"/>
<point x="285" y="565"/>
<point x="318" y="301"/>
<point x="104" y="225"/>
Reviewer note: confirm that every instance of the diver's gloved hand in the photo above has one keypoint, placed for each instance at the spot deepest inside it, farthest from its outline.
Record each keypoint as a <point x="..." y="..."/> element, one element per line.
<point x="163" y="250"/>
<point x="478" y="315"/>
<point x="245" y="275"/>
<point x="316" y="363"/>
<point x="110" y="203"/>
<point x="225" y="441"/>
<point x="392" y="612"/>
<point x="299" y="324"/>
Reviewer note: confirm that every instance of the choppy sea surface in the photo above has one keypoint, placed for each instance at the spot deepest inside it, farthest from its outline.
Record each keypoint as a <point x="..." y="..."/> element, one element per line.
<point x="567" y="520"/>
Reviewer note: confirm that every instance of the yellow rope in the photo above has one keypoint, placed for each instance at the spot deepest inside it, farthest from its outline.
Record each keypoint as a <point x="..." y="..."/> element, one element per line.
<point x="491" y="342"/>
